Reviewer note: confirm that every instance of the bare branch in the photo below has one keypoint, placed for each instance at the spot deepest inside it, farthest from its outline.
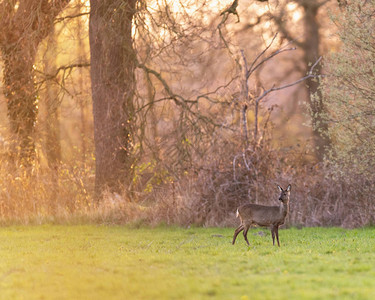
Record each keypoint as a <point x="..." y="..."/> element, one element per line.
<point x="269" y="57"/>
<point x="58" y="20"/>
<point x="231" y="10"/>
<point x="169" y="91"/>
<point x="226" y="44"/>
<point x="260" y="54"/>
<point x="225" y="14"/>
<point x="179" y="100"/>
<point x="205" y="96"/>
<point x="244" y="86"/>
<point x="63" y="68"/>
<point x="279" y="51"/>
<point x="273" y="88"/>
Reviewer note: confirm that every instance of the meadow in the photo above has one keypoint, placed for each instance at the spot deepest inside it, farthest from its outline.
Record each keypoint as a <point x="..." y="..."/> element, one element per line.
<point x="126" y="262"/>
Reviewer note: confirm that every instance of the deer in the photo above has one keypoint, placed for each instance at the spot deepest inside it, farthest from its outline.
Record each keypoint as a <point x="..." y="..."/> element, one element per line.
<point x="265" y="216"/>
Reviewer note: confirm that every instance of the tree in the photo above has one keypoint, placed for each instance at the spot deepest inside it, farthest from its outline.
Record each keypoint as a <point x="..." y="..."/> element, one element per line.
<point x="52" y="143"/>
<point x="113" y="84"/>
<point x="122" y="110"/>
<point x="52" y="116"/>
<point x="310" y="45"/>
<point x="349" y="92"/>
<point x="24" y="24"/>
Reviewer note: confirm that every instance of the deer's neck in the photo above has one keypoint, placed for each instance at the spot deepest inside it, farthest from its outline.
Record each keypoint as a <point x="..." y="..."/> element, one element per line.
<point x="284" y="209"/>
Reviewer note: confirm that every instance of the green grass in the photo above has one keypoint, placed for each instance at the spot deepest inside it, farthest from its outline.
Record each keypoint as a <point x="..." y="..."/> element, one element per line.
<point x="114" y="262"/>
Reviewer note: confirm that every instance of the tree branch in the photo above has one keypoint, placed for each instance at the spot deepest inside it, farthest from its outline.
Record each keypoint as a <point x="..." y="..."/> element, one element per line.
<point x="279" y="51"/>
<point x="169" y="91"/>
<point x="63" y="68"/>
<point x="58" y="20"/>
<point x="178" y="99"/>
<point x="273" y="88"/>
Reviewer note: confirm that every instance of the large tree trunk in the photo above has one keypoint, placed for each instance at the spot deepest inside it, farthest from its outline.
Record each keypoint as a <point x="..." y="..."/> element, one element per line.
<point x="82" y="99"/>
<point x="21" y="99"/>
<point x="52" y="107"/>
<point x="311" y="48"/>
<point x="23" y="27"/>
<point x="52" y="143"/>
<point x="113" y="83"/>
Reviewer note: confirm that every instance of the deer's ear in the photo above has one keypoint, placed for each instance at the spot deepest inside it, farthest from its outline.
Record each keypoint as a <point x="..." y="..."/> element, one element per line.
<point x="280" y="189"/>
<point x="288" y="188"/>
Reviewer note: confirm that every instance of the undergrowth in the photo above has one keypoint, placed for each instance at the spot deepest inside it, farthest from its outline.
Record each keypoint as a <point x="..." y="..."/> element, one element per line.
<point x="207" y="196"/>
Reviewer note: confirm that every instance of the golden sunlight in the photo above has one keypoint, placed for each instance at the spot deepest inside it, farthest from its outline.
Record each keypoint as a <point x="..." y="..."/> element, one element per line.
<point x="295" y="11"/>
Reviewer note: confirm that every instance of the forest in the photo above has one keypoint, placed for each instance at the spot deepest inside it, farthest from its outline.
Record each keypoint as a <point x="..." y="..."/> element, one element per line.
<point x="176" y="112"/>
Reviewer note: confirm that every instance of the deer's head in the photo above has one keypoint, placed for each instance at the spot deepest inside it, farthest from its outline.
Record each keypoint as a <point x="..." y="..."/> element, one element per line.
<point x="284" y="194"/>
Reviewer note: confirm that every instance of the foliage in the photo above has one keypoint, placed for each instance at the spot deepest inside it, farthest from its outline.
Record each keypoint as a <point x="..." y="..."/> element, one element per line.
<point x="349" y="92"/>
<point x="111" y="262"/>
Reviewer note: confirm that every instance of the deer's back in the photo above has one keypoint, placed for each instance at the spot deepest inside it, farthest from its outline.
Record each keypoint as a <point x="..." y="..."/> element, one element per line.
<point x="261" y="215"/>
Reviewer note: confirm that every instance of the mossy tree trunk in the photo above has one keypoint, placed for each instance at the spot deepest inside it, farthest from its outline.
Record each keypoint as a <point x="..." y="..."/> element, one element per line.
<point x="23" y="27"/>
<point x="311" y="48"/>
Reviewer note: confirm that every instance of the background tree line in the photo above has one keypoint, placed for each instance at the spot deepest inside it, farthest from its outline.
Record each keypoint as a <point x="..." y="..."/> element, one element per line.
<point x="179" y="111"/>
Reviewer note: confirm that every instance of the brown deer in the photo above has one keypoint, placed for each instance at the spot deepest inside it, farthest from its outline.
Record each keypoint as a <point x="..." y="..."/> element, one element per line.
<point x="267" y="216"/>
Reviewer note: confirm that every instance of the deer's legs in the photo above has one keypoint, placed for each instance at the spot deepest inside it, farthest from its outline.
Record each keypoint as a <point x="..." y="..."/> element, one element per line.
<point x="273" y="234"/>
<point x="236" y="232"/>
<point x="277" y="235"/>
<point x="245" y="233"/>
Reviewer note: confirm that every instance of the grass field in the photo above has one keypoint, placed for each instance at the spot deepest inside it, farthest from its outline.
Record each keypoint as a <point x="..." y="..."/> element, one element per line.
<point x="114" y="262"/>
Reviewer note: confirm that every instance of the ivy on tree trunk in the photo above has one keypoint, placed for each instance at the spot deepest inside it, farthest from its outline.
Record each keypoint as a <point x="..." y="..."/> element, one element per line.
<point x="23" y="27"/>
